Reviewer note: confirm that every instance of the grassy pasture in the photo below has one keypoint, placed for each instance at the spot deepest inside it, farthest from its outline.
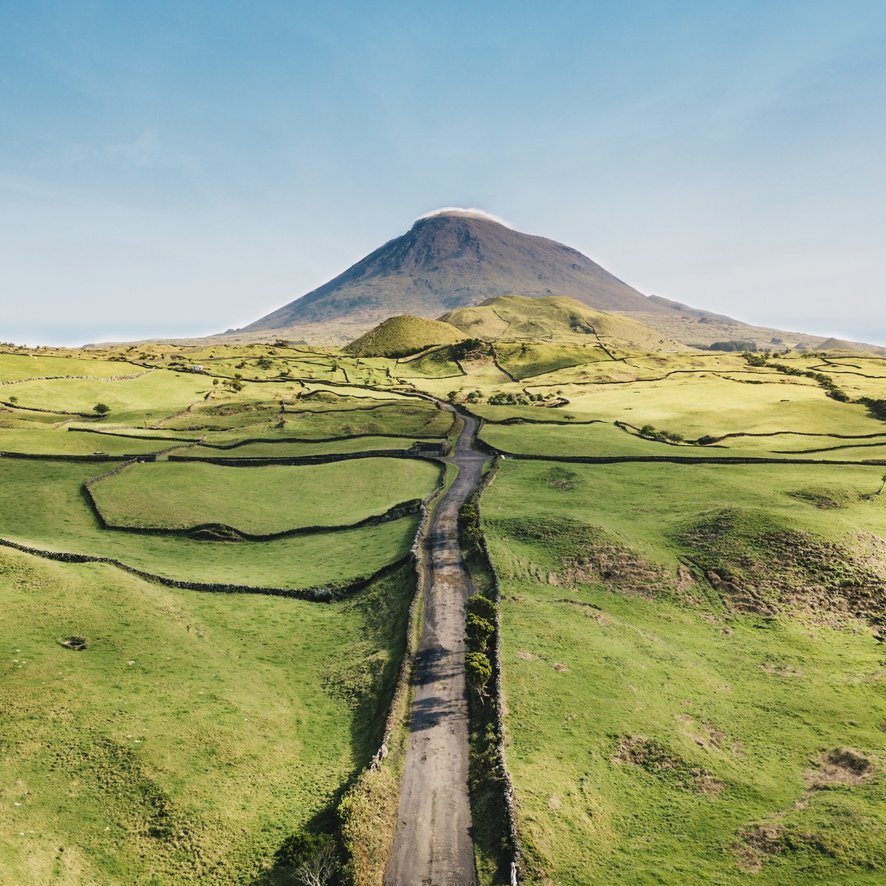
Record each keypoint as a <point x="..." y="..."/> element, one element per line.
<point x="527" y="359"/>
<point x="46" y="441"/>
<point x="314" y="417"/>
<point x="281" y="448"/>
<point x="193" y="734"/>
<point x="656" y="735"/>
<point x="602" y="439"/>
<point x="178" y="495"/>
<point x="18" y="367"/>
<point x="157" y="392"/>
<point x="41" y="505"/>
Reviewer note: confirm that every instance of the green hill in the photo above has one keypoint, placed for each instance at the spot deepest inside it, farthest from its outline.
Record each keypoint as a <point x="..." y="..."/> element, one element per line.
<point x="400" y="336"/>
<point x="557" y="318"/>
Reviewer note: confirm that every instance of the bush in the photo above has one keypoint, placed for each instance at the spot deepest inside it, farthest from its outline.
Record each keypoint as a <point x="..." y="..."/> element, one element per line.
<point x="101" y="409"/>
<point x="478" y="630"/>
<point x="482" y="606"/>
<point x="877" y="408"/>
<point x="478" y="671"/>
<point x="733" y="346"/>
<point x="308" y="859"/>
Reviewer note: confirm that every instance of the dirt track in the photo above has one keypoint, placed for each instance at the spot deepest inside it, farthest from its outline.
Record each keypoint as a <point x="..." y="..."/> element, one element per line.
<point x="432" y="843"/>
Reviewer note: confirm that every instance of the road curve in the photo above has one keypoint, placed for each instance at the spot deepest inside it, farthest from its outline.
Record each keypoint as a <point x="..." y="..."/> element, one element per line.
<point x="432" y="841"/>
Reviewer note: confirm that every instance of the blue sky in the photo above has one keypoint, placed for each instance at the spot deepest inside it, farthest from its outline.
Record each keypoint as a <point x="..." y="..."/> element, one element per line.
<point x="176" y="168"/>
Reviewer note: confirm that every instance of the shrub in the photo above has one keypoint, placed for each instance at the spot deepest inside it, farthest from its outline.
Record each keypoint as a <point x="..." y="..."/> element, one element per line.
<point x="478" y="671"/>
<point x="482" y="606"/>
<point x="478" y="630"/>
<point x="308" y="859"/>
<point x="101" y="409"/>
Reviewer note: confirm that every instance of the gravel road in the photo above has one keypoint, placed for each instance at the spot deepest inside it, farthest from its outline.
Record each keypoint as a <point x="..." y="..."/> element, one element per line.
<point x="432" y="842"/>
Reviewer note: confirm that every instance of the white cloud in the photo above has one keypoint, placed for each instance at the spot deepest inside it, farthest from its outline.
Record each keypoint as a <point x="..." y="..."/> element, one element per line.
<point x="466" y="213"/>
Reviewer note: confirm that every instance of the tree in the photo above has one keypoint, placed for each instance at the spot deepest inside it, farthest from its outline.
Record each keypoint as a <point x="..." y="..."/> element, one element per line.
<point x="101" y="409"/>
<point x="478" y="630"/>
<point x="482" y="606"/>
<point x="478" y="671"/>
<point x="309" y="859"/>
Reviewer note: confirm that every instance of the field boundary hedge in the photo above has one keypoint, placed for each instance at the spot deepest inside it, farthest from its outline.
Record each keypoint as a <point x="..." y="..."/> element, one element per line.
<point x="508" y="794"/>
<point x="672" y="459"/>
<point x="250" y="440"/>
<point x="319" y="594"/>
<point x="318" y="459"/>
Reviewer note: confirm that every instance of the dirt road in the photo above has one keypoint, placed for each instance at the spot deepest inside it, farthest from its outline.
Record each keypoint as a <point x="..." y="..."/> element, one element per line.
<point x="432" y="841"/>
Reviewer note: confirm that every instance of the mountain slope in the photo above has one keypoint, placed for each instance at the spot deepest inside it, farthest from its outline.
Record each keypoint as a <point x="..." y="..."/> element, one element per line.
<point x="557" y="318"/>
<point x="456" y="258"/>
<point x="446" y="261"/>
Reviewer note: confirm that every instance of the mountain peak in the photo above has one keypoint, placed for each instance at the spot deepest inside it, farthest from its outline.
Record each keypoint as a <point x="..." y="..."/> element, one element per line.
<point x="449" y="258"/>
<point x="461" y="212"/>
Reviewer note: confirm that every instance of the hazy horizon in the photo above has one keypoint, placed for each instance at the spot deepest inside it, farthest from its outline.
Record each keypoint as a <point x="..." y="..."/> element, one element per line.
<point x="177" y="171"/>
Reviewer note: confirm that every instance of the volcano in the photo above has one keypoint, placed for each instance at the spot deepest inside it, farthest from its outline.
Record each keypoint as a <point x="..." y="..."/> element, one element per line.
<point x="447" y="260"/>
<point x="455" y="258"/>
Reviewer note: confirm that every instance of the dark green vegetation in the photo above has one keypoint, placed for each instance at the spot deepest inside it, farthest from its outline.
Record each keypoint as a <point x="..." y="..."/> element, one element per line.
<point x="693" y="688"/>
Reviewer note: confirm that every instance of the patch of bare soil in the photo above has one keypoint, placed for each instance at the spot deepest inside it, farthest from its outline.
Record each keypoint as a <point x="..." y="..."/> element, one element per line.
<point x="840" y="766"/>
<point x="759" y="566"/>
<point x="658" y="760"/>
<point x="526" y="656"/>
<point x="706" y="735"/>
<point x="781" y="670"/>
<point x="756" y="843"/>
<point x="825" y="499"/>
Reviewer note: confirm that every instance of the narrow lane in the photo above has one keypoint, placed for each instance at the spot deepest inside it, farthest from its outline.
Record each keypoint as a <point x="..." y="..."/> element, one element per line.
<point x="432" y="841"/>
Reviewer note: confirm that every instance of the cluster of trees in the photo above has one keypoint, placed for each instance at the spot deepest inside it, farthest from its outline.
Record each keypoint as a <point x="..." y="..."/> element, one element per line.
<point x="501" y="398"/>
<point x="877" y="408"/>
<point x="652" y="433"/>
<point x="825" y="381"/>
<point x="479" y="629"/>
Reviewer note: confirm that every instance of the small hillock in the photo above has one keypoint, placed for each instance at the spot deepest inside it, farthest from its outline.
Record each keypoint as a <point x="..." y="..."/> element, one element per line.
<point x="403" y="335"/>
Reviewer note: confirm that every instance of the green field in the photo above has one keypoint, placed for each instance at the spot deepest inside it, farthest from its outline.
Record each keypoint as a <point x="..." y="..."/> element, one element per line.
<point x="662" y="728"/>
<point x="178" y="495"/>
<point x="42" y="505"/>
<point x="195" y="732"/>
<point x="693" y="691"/>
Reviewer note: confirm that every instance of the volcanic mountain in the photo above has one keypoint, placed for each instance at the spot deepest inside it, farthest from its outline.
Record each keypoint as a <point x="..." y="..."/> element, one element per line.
<point x="455" y="258"/>
<point x="448" y="260"/>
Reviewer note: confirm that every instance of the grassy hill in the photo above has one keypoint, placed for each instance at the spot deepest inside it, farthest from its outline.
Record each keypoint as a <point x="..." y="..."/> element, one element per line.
<point x="402" y="336"/>
<point x="693" y="691"/>
<point x="556" y="319"/>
